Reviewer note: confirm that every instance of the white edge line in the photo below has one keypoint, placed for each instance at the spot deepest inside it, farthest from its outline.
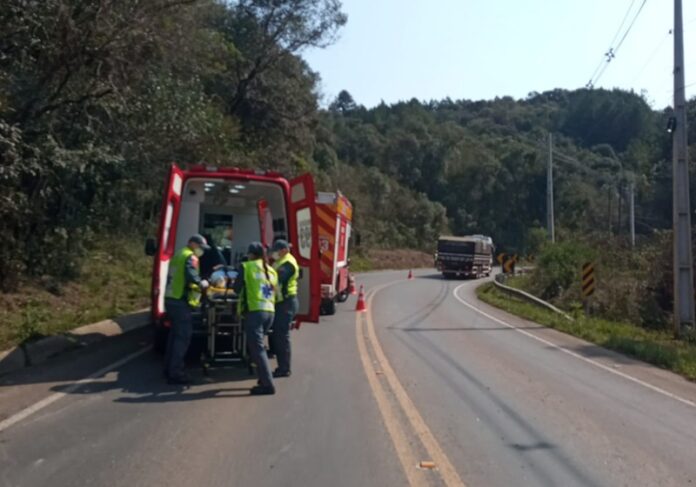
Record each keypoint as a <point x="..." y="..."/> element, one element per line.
<point x="575" y="354"/>
<point x="25" y="413"/>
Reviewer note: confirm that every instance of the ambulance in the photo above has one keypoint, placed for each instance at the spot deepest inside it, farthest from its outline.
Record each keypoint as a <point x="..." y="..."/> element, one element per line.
<point x="233" y="207"/>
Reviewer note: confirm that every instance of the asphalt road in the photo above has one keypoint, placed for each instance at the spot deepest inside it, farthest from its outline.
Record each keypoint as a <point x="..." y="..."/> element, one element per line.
<point x="430" y="387"/>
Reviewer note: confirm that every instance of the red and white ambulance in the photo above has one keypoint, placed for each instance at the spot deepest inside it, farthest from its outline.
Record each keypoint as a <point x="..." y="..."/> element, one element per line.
<point x="247" y="205"/>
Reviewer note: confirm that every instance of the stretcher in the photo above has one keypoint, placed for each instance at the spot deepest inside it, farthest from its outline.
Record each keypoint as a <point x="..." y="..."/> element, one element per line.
<point x="226" y="340"/>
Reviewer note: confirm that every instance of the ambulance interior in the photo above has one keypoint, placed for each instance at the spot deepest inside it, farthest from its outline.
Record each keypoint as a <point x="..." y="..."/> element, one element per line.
<point x="219" y="209"/>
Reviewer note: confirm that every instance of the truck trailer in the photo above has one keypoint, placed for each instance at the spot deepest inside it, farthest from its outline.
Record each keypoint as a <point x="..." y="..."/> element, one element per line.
<point x="470" y="256"/>
<point x="233" y="207"/>
<point x="334" y="218"/>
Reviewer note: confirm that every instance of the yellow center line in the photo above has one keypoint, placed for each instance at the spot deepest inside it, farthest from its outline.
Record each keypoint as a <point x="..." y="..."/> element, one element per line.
<point x="445" y="468"/>
<point x="396" y="432"/>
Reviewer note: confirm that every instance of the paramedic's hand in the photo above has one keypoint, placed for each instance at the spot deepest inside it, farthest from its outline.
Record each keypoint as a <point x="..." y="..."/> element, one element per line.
<point x="204" y="284"/>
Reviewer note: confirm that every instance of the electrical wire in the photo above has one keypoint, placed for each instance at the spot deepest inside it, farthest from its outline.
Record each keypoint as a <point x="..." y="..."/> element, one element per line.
<point x="560" y="156"/>
<point x="618" y="31"/>
<point x="614" y="47"/>
<point x="640" y="9"/>
<point x="652" y="56"/>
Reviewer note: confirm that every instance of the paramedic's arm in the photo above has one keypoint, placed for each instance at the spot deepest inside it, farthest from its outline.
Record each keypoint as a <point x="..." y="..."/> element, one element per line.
<point x="220" y="260"/>
<point x="239" y="281"/>
<point x="285" y="272"/>
<point x="192" y="274"/>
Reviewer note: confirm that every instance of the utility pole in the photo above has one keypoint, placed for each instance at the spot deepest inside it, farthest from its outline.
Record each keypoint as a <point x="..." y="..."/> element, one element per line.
<point x="619" y="222"/>
<point x="681" y="207"/>
<point x="632" y="212"/>
<point x="550" y="226"/>
<point x="609" y="198"/>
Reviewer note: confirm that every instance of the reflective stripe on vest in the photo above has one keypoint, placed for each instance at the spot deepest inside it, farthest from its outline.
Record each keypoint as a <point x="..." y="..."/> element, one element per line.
<point x="259" y="293"/>
<point x="176" y="279"/>
<point x="290" y="289"/>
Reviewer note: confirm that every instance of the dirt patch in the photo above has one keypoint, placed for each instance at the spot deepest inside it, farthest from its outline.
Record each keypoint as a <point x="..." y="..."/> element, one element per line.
<point x="399" y="259"/>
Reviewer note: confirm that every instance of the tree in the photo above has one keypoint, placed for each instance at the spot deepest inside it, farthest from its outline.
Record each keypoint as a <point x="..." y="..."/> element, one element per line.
<point x="343" y="103"/>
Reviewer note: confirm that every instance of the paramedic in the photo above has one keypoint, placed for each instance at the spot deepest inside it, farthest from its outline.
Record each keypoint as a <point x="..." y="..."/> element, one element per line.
<point x="256" y="286"/>
<point x="183" y="295"/>
<point x="212" y="259"/>
<point x="286" y="304"/>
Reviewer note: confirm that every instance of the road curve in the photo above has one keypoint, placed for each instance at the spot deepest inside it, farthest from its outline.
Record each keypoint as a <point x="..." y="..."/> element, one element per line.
<point x="430" y="387"/>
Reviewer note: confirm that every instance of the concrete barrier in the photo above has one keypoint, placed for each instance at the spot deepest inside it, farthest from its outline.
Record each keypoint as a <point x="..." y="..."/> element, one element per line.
<point x="39" y="351"/>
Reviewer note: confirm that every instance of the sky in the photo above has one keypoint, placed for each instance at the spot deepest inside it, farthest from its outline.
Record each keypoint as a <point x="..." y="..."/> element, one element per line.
<point x="392" y="50"/>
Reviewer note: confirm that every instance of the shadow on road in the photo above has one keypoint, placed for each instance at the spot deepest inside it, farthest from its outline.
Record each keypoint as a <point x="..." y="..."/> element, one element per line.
<point x="76" y="364"/>
<point x="437" y="277"/>
<point x="135" y="382"/>
<point x="440" y="277"/>
<point x="139" y="383"/>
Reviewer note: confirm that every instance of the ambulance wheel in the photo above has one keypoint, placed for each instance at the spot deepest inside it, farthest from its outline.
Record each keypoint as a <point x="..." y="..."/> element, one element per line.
<point x="328" y="307"/>
<point x="159" y="342"/>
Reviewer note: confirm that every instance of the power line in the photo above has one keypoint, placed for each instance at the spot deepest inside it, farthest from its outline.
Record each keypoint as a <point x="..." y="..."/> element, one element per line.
<point x="652" y="56"/>
<point x="618" y="31"/>
<point x="614" y="48"/>
<point x="609" y="55"/>
<point x="640" y="9"/>
<point x="560" y="156"/>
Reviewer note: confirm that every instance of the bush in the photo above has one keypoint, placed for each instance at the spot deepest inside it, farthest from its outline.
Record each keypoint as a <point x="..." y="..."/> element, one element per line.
<point x="558" y="268"/>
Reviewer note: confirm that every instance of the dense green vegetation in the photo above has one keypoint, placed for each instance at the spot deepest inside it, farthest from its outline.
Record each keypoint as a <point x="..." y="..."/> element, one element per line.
<point x="97" y="98"/>
<point x="485" y="161"/>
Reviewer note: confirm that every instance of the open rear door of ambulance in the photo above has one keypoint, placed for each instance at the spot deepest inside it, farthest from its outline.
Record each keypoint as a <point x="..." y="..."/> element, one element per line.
<point x="305" y="245"/>
<point x="166" y="240"/>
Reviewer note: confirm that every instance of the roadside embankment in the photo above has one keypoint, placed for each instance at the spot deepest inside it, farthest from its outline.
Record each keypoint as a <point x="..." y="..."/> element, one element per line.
<point x="114" y="280"/>
<point x="652" y="346"/>
<point x="377" y="260"/>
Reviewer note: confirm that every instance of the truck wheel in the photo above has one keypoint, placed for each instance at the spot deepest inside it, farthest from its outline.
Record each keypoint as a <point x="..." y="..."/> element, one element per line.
<point x="159" y="342"/>
<point x="343" y="297"/>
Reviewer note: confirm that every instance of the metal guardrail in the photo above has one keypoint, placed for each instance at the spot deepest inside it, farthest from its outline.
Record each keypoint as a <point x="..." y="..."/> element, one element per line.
<point x="499" y="283"/>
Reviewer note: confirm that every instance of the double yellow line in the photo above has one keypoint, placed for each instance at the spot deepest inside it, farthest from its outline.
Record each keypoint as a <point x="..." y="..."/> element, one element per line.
<point x="383" y="390"/>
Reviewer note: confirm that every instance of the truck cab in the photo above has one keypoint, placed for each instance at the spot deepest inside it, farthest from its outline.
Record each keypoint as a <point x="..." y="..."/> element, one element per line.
<point x="233" y="207"/>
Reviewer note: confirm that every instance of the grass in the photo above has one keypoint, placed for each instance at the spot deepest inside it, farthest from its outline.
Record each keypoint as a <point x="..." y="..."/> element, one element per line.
<point x="115" y="279"/>
<point x="655" y="347"/>
<point x="360" y="263"/>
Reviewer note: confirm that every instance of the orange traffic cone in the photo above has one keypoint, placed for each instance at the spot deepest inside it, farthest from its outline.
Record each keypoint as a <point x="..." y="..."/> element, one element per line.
<point x="410" y="274"/>
<point x="361" y="306"/>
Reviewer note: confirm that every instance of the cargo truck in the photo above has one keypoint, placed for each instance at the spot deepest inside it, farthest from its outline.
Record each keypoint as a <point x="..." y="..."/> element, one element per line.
<point x="470" y="256"/>
<point x="334" y="221"/>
